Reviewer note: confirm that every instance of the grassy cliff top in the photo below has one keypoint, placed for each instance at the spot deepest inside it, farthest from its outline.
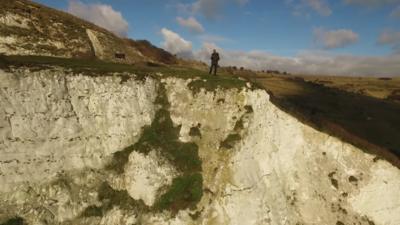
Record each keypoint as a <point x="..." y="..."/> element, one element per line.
<point x="141" y="70"/>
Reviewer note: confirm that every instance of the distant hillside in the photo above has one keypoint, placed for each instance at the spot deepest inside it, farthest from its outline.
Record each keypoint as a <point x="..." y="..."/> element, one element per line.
<point x="28" y="28"/>
<point x="153" y="52"/>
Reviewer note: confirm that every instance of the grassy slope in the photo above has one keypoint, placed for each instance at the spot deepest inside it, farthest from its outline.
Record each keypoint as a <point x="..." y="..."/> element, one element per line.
<point x="380" y="88"/>
<point x="72" y="33"/>
<point x="96" y="67"/>
<point x="364" y="121"/>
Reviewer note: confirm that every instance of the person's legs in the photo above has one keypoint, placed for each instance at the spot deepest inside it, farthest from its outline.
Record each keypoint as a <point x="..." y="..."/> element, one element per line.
<point x="215" y="69"/>
<point x="211" y="68"/>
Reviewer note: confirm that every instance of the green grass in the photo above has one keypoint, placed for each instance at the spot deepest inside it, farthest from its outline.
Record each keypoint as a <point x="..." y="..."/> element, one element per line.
<point x="195" y="132"/>
<point x="10" y="31"/>
<point x="212" y="83"/>
<point x="230" y="141"/>
<point x="162" y="136"/>
<point x="186" y="191"/>
<point x="249" y="109"/>
<point x="92" y="211"/>
<point x="14" y="221"/>
<point x="239" y="125"/>
<point x="89" y="66"/>
<point x="111" y="198"/>
<point x="122" y="199"/>
<point x="96" y="67"/>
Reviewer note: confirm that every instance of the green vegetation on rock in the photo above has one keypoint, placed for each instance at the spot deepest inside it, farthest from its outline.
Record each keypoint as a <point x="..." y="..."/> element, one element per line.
<point x="185" y="191"/>
<point x="230" y="141"/>
<point x="14" y="221"/>
<point x="111" y="198"/>
<point x="212" y="83"/>
<point x="163" y="136"/>
<point x="95" y="67"/>
<point x="92" y="211"/>
<point x="195" y="132"/>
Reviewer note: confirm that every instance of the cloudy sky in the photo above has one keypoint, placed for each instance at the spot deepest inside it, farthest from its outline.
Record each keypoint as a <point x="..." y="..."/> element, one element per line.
<point x="342" y="37"/>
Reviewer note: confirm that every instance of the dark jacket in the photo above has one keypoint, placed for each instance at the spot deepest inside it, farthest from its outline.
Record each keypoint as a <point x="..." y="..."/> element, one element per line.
<point x="215" y="58"/>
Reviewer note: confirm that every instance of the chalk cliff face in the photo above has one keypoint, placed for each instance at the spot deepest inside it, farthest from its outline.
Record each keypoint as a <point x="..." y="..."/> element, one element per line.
<point x="76" y="149"/>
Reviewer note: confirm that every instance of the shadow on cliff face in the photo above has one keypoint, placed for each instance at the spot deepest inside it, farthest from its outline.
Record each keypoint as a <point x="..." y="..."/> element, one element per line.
<point x="366" y="122"/>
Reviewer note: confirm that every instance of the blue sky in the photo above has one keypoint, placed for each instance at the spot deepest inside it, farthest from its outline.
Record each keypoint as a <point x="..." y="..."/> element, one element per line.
<point x="282" y="28"/>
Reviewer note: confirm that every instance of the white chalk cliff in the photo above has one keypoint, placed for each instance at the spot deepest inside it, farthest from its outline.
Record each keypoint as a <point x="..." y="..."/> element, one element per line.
<point x="60" y="130"/>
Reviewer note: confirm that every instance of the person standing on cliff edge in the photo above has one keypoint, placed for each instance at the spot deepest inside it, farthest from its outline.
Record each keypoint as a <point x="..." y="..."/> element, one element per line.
<point x="214" y="62"/>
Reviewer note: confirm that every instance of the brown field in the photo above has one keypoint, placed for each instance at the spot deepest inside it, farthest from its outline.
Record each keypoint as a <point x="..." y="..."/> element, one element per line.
<point x="381" y="87"/>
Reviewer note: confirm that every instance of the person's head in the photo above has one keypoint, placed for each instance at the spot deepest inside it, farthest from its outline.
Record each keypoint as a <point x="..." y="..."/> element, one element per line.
<point x="214" y="51"/>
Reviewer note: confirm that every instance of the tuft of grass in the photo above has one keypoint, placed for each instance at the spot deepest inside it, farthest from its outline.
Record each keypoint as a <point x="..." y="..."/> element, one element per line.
<point x="92" y="211"/>
<point x="185" y="191"/>
<point x="239" y="125"/>
<point x="212" y="83"/>
<point x="195" y="132"/>
<point x="120" y="159"/>
<point x="14" y="221"/>
<point x="334" y="181"/>
<point x="110" y="198"/>
<point x="249" y="109"/>
<point x="230" y="141"/>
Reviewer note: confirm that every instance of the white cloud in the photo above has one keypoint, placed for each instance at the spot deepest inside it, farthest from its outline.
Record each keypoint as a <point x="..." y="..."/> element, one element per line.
<point x="330" y="39"/>
<point x="371" y="3"/>
<point x="302" y="7"/>
<point x="307" y="62"/>
<point x="191" y="23"/>
<point x="100" y="14"/>
<point x="320" y="6"/>
<point x="396" y="12"/>
<point x="175" y="44"/>
<point x="214" y="38"/>
<point x="391" y="38"/>
<point x="211" y="9"/>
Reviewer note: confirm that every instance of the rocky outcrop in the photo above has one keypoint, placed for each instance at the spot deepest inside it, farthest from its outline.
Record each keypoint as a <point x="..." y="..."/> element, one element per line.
<point x="80" y="149"/>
